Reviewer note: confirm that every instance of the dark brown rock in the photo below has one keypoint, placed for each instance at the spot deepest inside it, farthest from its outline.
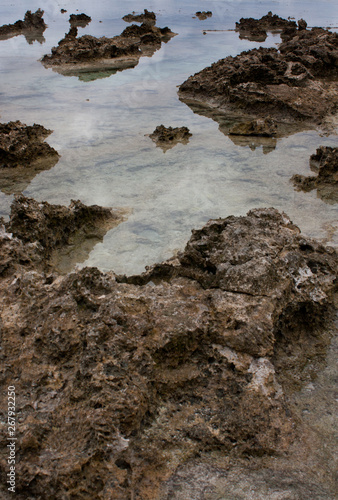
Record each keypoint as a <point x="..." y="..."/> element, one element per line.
<point x="325" y="164"/>
<point x="119" y="382"/>
<point x="295" y="84"/>
<point x="255" y="29"/>
<point x="168" y="137"/>
<point x="74" y="56"/>
<point x="79" y="20"/>
<point x="146" y="17"/>
<point x="202" y="16"/>
<point x="32" y="27"/>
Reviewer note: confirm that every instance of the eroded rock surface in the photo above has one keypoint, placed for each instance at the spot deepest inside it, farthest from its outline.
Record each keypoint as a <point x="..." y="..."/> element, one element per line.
<point x="256" y="29"/>
<point x="167" y="137"/>
<point x="32" y="27"/>
<point x="75" y="56"/>
<point x="79" y="20"/>
<point x="119" y="381"/>
<point x="23" y="153"/>
<point x="146" y="17"/>
<point x="297" y="83"/>
<point x="265" y="127"/>
<point x="325" y="164"/>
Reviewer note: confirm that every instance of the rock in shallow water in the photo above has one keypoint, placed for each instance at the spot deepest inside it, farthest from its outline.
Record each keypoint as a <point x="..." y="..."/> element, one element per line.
<point x="120" y="380"/>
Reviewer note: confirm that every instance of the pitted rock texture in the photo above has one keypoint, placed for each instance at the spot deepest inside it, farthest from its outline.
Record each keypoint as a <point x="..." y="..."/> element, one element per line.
<point x="202" y="16"/>
<point x="297" y="83"/>
<point x="121" y="380"/>
<point x="325" y="164"/>
<point x="79" y="20"/>
<point x="146" y="17"/>
<point x="74" y="55"/>
<point x="168" y="137"/>
<point x="32" y="27"/>
<point x="256" y="29"/>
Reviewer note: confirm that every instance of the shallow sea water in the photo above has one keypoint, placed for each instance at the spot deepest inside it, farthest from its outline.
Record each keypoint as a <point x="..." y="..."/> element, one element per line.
<point x="101" y="126"/>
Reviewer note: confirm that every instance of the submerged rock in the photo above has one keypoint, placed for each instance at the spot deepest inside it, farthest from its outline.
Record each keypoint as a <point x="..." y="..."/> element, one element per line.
<point x="23" y="153"/>
<point x="202" y="16"/>
<point x="79" y="20"/>
<point x="167" y="137"/>
<point x="121" y="381"/>
<point x="298" y="83"/>
<point x="146" y="17"/>
<point x="32" y="27"/>
<point x="77" y="56"/>
<point x="262" y="127"/>
<point x="325" y="164"/>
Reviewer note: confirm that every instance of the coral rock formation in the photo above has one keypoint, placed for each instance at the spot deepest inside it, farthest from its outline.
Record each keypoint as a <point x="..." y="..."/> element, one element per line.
<point x="79" y="20"/>
<point x="325" y="164"/>
<point x="146" y="17"/>
<point x="298" y="83"/>
<point x="202" y="16"/>
<point x="168" y="137"/>
<point x="256" y="29"/>
<point x="120" y="380"/>
<point x="32" y="27"/>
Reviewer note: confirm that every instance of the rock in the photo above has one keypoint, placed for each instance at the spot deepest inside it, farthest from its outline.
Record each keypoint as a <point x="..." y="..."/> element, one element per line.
<point x="262" y="127"/>
<point x="325" y="164"/>
<point x="63" y="11"/>
<point x="298" y="83"/>
<point x="75" y="56"/>
<point x="167" y="137"/>
<point x="79" y="20"/>
<point x="203" y="15"/>
<point x="146" y="17"/>
<point x="23" y="153"/>
<point x="255" y="29"/>
<point x="31" y="27"/>
<point x="121" y="381"/>
<point x="55" y="228"/>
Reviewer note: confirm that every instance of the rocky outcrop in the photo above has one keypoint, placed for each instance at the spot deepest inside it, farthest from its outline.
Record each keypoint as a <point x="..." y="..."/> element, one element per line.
<point x="146" y="17"/>
<point x="325" y="164"/>
<point x="297" y="83"/>
<point x="23" y="153"/>
<point x="202" y="16"/>
<point x="120" y="380"/>
<point x="167" y="137"/>
<point x="79" y="20"/>
<point x="256" y="29"/>
<point x="74" y="56"/>
<point x="32" y="27"/>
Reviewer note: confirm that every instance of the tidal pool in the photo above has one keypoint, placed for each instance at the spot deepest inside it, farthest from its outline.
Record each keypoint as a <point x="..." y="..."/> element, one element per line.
<point x="101" y="123"/>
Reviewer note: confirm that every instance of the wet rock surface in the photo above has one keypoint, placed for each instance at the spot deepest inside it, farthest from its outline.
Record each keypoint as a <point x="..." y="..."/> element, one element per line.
<point x="75" y="56"/>
<point x="325" y="164"/>
<point x="32" y="27"/>
<point x="167" y="137"/>
<point x="122" y="381"/>
<point x="146" y="17"/>
<point x="202" y="16"/>
<point x="295" y="84"/>
<point x="262" y="127"/>
<point x="79" y="20"/>
<point x="23" y="153"/>
<point x="256" y="29"/>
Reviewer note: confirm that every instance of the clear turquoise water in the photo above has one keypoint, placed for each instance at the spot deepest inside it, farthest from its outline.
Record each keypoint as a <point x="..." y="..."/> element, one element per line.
<point x="100" y="130"/>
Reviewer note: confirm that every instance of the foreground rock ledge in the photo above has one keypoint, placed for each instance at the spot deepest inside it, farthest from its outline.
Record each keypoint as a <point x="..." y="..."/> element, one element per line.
<point x="120" y="380"/>
<point x="297" y="83"/>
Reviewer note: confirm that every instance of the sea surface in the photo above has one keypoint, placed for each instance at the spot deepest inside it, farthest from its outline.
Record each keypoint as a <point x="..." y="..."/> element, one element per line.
<point x="101" y="128"/>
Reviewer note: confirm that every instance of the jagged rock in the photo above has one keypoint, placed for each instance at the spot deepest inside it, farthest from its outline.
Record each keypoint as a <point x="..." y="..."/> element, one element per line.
<point x="32" y="27"/>
<point x="146" y="17"/>
<point x="325" y="164"/>
<point x="298" y="83"/>
<point x="119" y="381"/>
<point x="79" y="20"/>
<point x="167" y="137"/>
<point x="262" y="127"/>
<point x="256" y="29"/>
<point x="23" y="153"/>
<point x="202" y="16"/>
<point x="74" y="56"/>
